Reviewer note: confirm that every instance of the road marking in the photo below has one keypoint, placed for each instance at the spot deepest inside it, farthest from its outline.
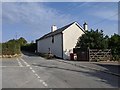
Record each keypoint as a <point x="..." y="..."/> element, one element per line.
<point x="38" y="77"/>
<point x="20" y="64"/>
<point x="27" y="65"/>
<point x="41" y="80"/>
<point x="30" y="67"/>
<point x="45" y="84"/>
<point x="12" y="66"/>
<point x="33" y="71"/>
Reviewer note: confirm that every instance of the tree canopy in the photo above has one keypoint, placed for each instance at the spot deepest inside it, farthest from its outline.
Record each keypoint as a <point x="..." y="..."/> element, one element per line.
<point x="114" y="44"/>
<point x="22" y="41"/>
<point x="93" y="40"/>
<point x="97" y="40"/>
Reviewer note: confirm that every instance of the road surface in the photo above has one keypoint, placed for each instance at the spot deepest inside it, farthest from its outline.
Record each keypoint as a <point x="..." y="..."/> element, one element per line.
<point x="30" y="71"/>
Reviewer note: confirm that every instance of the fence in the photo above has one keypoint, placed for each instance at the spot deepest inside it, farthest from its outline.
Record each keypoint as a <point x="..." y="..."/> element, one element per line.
<point x="99" y="55"/>
<point x="93" y="54"/>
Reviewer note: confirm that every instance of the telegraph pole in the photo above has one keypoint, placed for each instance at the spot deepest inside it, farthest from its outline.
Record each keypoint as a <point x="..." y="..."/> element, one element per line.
<point x="16" y="36"/>
<point x="15" y="43"/>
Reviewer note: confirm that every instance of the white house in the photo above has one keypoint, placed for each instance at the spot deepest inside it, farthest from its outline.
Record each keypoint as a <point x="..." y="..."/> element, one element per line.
<point x="61" y="42"/>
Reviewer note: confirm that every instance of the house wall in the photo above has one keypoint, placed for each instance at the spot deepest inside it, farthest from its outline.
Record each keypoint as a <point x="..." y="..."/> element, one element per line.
<point x="70" y="38"/>
<point x="55" y="48"/>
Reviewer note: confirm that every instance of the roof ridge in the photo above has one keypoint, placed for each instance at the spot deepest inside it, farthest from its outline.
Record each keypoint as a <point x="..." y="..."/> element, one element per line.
<point x="59" y="30"/>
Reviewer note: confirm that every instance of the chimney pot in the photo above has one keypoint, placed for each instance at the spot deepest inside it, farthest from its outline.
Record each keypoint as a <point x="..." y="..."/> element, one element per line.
<point x="53" y="28"/>
<point x="85" y="26"/>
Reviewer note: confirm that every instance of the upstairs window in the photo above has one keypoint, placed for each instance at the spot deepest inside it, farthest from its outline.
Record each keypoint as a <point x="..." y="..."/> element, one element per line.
<point x="52" y="39"/>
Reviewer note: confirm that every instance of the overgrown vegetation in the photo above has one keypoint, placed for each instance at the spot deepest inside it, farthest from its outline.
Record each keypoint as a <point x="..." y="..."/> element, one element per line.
<point x="97" y="40"/>
<point x="114" y="44"/>
<point x="12" y="47"/>
<point x="31" y="47"/>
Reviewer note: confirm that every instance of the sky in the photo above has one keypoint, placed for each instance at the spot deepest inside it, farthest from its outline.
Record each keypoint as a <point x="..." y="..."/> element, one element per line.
<point x="32" y="20"/>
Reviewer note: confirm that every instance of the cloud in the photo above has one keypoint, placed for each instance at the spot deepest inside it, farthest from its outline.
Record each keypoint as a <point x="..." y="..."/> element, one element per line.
<point x="36" y="16"/>
<point x="111" y="15"/>
<point x="29" y="12"/>
<point x="59" y="1"/>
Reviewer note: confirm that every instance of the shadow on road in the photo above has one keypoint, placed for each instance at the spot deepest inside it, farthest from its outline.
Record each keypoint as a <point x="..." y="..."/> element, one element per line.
<point x="30" y="54"/>
<point x="111" y="68"/>
<point x="109" y="79"/>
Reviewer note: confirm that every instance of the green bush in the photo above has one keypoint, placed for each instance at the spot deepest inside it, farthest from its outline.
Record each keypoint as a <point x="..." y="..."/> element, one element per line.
<point x="11" y="47"/>
<point x="114" y="45"/>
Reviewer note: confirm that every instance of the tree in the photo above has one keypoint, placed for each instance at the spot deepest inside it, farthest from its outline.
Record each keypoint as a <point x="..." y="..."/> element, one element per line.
<point x="22" y="41"/>
<point x="13" y="46"/>
<point x="93" y="40"/>
<point x="114" y="44"/>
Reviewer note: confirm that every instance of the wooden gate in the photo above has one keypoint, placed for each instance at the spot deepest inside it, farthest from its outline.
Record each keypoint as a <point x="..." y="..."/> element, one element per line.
<point x="92" y="54"/>
<point x="99" y="55"/>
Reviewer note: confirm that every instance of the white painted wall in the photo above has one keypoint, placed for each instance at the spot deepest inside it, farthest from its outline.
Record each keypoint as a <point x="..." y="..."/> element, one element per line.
<point x="70" y="38"/>
<point x="56" y="47"/>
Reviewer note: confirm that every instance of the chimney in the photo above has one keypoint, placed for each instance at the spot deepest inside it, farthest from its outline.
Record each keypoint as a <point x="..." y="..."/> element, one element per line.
<point x="53" y="28"/>
<point x="85" y="26"/>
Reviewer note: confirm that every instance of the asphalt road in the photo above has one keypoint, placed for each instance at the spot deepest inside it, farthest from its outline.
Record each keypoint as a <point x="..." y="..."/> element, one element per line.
<point x="30" y="71"/>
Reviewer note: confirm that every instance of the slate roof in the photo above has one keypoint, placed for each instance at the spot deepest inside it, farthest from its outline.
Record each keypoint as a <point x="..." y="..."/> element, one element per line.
<point x="57" y="31"/>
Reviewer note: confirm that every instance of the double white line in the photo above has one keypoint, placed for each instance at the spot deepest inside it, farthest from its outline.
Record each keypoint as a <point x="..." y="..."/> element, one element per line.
<point x="20" y="64"/>
<point x="27" y="65"/>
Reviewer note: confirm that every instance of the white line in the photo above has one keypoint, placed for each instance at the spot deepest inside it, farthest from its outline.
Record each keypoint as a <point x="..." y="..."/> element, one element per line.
<point x="37" y="76"/>
<point x="41" y="80"/>
<point x="27" y="65"/>
<point x="45" y="84"/>
<point x="30" y="67"/>
<point x="20" y="64"/>
<point x="12" y="66"/>
<point x="34" y="72"/>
